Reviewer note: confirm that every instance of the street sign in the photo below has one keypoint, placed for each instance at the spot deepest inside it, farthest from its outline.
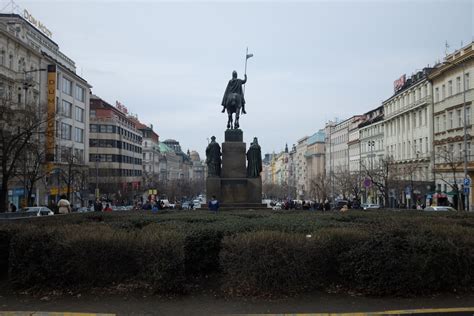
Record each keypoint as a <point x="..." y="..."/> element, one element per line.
<point x="467" y="182"/>
<point x="367" y="183"/>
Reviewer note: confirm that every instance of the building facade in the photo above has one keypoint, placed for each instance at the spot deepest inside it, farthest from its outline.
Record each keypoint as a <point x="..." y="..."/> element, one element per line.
<point x="115" y="158"/>
<point x="315" y="160"/>
<point x="34" y="72"/>
<point x="408" y="138"/>
<point x="372" y="150"/>
<point x="453" y="156"/>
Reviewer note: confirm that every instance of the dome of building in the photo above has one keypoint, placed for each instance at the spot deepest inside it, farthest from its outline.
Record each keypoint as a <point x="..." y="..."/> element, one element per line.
<point x="194" y="156"/>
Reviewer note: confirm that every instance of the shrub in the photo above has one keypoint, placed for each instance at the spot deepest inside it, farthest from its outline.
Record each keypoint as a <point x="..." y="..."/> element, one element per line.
<point x="160" y="260"/>
<point x="263" y="263"/>
<point x="406" y="263"/>
<point x="202" y="248"/>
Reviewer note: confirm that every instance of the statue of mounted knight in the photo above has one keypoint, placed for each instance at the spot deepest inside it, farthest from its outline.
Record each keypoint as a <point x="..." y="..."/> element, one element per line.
<point x="233" y="100"/>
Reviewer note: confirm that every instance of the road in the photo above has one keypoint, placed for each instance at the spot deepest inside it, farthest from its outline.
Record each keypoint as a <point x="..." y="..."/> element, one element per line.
<point x="208" y="304"/>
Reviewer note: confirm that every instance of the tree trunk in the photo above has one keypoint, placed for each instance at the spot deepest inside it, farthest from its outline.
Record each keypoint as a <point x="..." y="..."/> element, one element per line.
<point x="4" y="195"/>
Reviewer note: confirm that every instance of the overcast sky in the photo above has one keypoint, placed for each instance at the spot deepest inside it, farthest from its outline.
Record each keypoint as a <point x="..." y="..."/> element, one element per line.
<point x="313" y="61"/>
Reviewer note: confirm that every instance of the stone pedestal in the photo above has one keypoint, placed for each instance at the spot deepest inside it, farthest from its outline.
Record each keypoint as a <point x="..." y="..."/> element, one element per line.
<point x="233" y="189"/>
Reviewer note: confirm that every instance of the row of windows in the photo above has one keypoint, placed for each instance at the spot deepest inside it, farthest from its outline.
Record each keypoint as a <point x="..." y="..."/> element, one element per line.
<point x="111" y="143"/>
<point x="409" y="150"/>
<point x="67" y="88"/>
<point x="457" y="88"/>
<point x="68" y="155"/>
<point x="66" y="110"/>
<point x="66" y="133"/>
<point x="112" y="129"/>
<point x="406" y="99"/>
<point x="115" y="158"/>
<point x="454" y="119"/>
<point x="372" y="145"/>
<point x="403" y="123"/>
<point x="109" y="172"/>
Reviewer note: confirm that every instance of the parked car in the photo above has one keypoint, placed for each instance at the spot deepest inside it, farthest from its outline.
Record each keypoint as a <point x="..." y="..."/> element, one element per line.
<point x="370" y="206"/>
<point x="439" y="209"/>
<point x="196" y="204"/>
<point x="38" y="211"/>
<point x="277" y="207"/>
<point x="340" y="204"/>
<point x="186" y="206"/>
<point x="83" y="210"/>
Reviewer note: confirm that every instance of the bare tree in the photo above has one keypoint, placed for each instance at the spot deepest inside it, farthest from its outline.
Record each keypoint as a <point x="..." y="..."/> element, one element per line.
<point x="320" y="187"/>
<point x="347" y="183"/>
<point x="19" y="124"/>
<point x="31" y="168"/>
<point x="383" y="177"/>
<point x="447" y="160"/>
<point x="278" y="191"/>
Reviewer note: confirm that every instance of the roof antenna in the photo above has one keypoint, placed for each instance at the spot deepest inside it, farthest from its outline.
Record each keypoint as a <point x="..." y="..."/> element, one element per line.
<point x="446" y="47"/>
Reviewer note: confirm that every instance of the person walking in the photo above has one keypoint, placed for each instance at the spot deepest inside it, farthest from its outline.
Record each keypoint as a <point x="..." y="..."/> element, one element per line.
<point x="107" y="208"/>
<point x="213" y="204"/>
<point x="98" y="206"/>
<point x="64" y="207"/>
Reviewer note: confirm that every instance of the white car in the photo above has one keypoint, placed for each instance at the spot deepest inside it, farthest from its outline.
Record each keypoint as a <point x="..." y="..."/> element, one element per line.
<point x="439" y="209"/>
<point x="38" y="211"/>
<point x="196" y="204"/>
<point x="370" y="206"/>
<point x="277" y="207"/>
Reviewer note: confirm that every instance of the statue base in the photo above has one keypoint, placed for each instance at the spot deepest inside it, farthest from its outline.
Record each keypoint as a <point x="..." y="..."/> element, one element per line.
<point x="233" y="188"/>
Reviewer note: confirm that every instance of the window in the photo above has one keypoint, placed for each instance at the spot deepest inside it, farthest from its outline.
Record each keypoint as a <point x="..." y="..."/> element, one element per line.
<point x="459" y="115"/>
<point x="414" y="120"/>
<point x="450" y="88"/>
<point x="66" y="131"/>
<point x="67" y="86"/>
<point x="450" y="119"/>
<point x="469" y="157"/>
<point x="426" y="145"/>
<point x="459" y="152"/>
<point x="93" y="128"/>
<point x="92" y="113"/>
<point x="67" y="109"/>
<point x="80" y="93"/>
<point x="443" y="92"/>
<point x="10" y="61"/>
<point x="444" y="122"/>
<point x="79" y="114"/>
<point x="79" y="135"/>
<point x="466" y="78"/>
<point x="437" y="126"/>
<point x="436" y="94"/>
<point x="419" y="119"/>
<point x="458" y="84"/>
<point x="468" y="115"/>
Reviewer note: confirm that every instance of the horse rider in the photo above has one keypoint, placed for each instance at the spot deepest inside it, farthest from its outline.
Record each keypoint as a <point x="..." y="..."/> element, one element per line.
<point x="234" y="86"/>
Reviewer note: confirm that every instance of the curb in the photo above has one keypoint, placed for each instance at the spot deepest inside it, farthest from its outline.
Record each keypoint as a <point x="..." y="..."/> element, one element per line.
<point x="427" y="311"/>
<point x="26" y="313"/>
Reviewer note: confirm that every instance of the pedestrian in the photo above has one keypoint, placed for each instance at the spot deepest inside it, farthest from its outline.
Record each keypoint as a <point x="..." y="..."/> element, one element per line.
<point x="213" y="204"/>
<point x="98" y="206"/>
<point x="64" y="207"/>
<point x="12" y="207"/>
<point x="107" y="208"/>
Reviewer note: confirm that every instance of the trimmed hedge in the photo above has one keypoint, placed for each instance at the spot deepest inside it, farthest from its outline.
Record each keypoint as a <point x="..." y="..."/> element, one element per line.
<point x="247" y="253"/>
<point x="74" y="258"/>
<point x="409" y="263"/>
<point x="269" y="262"/>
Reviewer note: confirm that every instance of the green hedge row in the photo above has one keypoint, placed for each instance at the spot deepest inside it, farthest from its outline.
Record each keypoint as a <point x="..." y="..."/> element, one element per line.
<point x="384" y="263"/>
<point x="78" y="257"/>
<point x="249" y="253"/>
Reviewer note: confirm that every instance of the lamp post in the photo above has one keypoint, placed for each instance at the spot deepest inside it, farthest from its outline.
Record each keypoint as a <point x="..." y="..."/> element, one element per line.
<point x="371" y="144"/>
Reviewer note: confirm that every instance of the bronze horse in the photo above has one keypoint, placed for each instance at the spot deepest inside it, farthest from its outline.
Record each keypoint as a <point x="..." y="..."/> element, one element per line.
<point x="233" y="105"/>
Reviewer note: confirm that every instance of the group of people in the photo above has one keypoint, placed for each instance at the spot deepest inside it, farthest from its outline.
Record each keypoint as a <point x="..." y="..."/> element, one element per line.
<point x="99" y="206"/>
